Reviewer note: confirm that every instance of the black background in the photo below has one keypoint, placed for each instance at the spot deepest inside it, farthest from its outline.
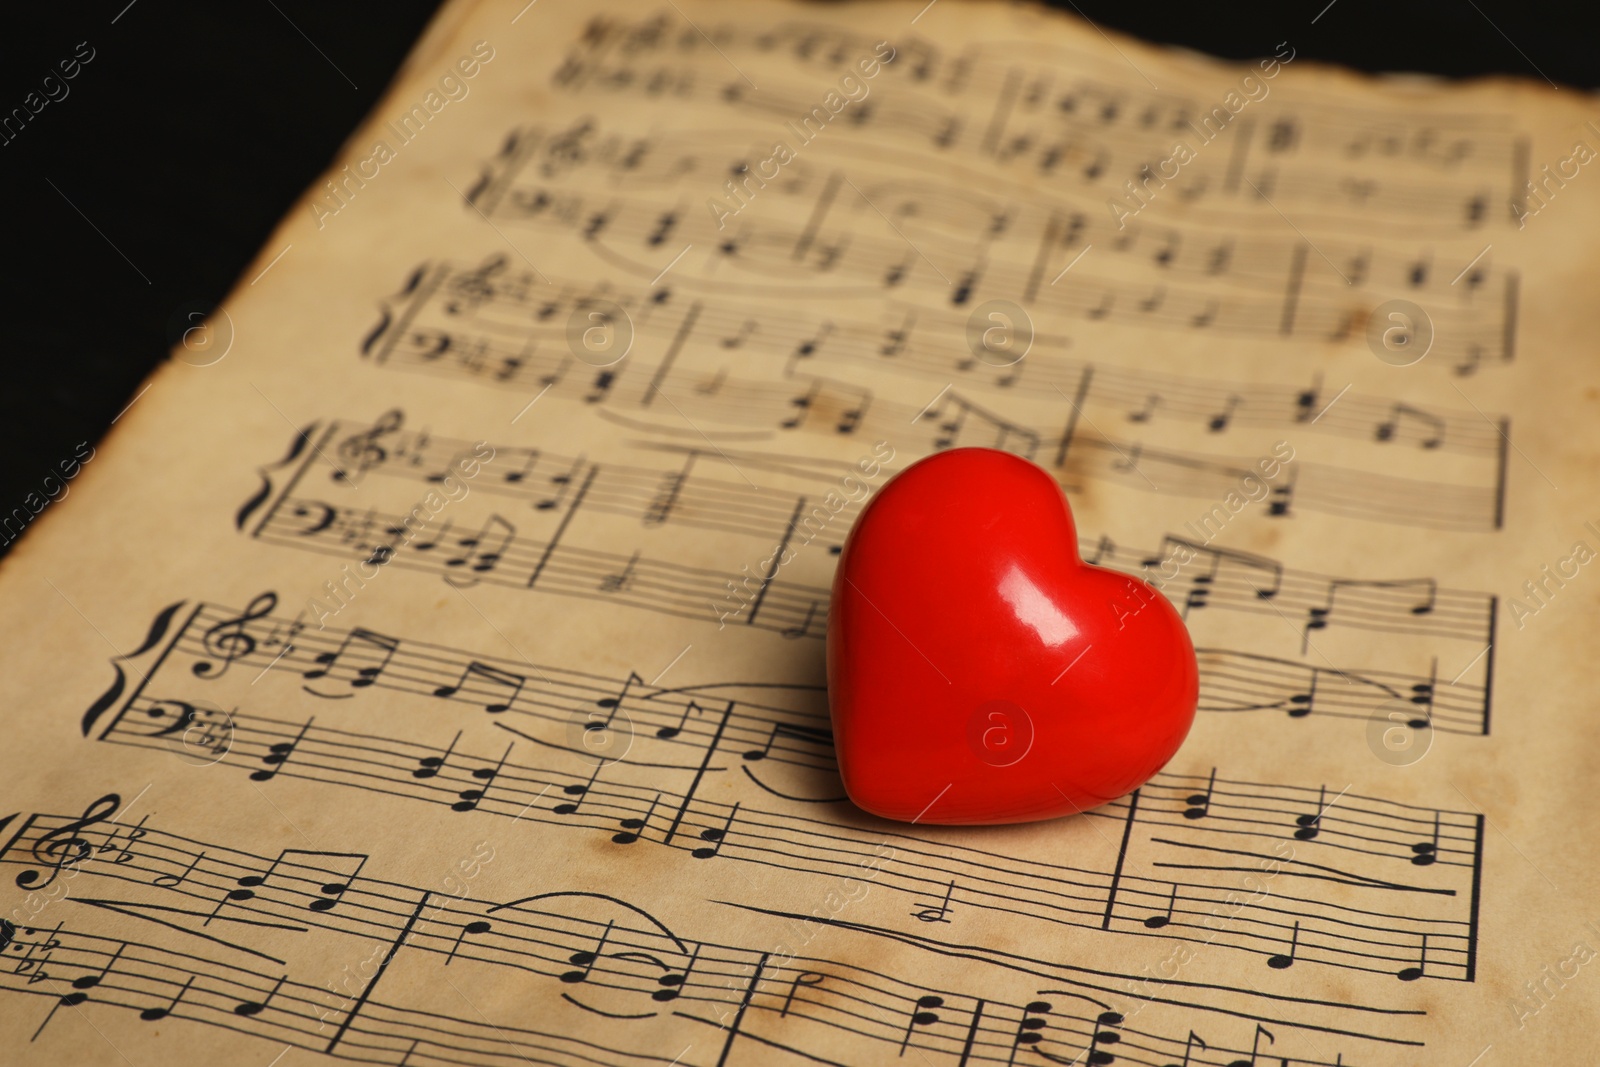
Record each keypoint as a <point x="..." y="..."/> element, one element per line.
<point x="144" y="193"/>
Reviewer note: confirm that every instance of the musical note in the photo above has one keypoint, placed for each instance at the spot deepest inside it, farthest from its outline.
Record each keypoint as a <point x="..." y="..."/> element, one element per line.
<point x="1144" y="413"/>
<point x="1311" y="825"/>
<point x="812" y="734"/>
<point x="620" y="580"/>
<point x="278" y="754"/>
<point x="256" y="1007"/>
<point x="1220" y="420"/>
<point x="1098" y="1057"/>
<point x="363" y="676"/>
<point x="1283" y="961"/>
<point x="471" y="798"/>
<point x="563" y="483"/>
<point x="1200" y="803"/>
<point x="579" y="791"/>
<point x="483" y="550"/>
<point x="634" y="828"/>
<point x="89" y="981"/>
<point x="152" y="1015"/>
<point x="1255" y="1046"/>
<point x="804" y="978"/>
<point x="672" y="982"/>
<point x="1434" y="426"/>
<point x="170" y="881"/>
<point x="478" y="926"/>
<point x="667" y="733"/>
<point x="717" y="837"/>
<point x="1282" y="496"/>
<point x="613" y="704"/>
<point x="1157" y="922"/>
<point x="430" y="766"/>
<point x="1411" y="974"/>
<point x="935" y="913"/>
<point x="586" y="959"/>
<point x="512" y="682"/>
<point x="1305" y="402"/>
<point x="1425" y="853"/>
<point x="1032" y="1023"/>
<point x="1188" y="1047"/>
<point x="921" y="1014"/>
<point x="329" y="889"/>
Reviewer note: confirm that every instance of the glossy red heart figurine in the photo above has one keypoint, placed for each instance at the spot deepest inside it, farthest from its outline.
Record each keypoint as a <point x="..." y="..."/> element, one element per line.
<point x="978" y="670"/>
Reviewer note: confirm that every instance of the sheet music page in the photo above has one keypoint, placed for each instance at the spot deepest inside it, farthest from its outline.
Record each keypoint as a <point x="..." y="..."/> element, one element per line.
<point x="428" y="668"/>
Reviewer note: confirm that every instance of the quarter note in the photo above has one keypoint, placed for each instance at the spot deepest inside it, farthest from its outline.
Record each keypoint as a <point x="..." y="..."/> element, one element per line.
<point x="717" y="837"/>
<point x="152" y="1015"/>
<point x="471" y="798"/>
<point x="278" y="754"/>
<point x="1311" y="825"/>
<point x="1157" y="922"/>
<point x="1411" y="974"/>
<point x="1305" y="402"/>
<point x="1200" y="803"/>
<point x="672" y="982"/>
<point x="1032" y="1023"/>
<point x="1149" y="409"/>
<point x="89" y="981"/>
<point x="579" y="791"/>
<point x="586" y="959"/>
<point x="256" y="1007"/>
<point x="1255" y="1047"/>
<point x="1283" y="961"/>
<point x="430" y="766"/>
<point x="921" y="1014"/>
<point x="1426" y="853"/>
<point x="633" y="829"/>
<point x="478" y="926"/>
<point x="667" y="733"/>
<point x="1220" y="420"/>
<point x="1111" y="1035"/>
<point x="1188" y="1048"/>
<point x="619" y="581"/>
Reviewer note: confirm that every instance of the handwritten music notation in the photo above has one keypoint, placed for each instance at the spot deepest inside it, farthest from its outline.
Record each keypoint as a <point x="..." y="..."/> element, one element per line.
<point x="526" y="757"/>
<point x="196" y="948"/>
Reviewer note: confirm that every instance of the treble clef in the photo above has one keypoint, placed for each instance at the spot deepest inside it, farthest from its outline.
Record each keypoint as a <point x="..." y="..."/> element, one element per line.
<point x="62" y="847"/>
<point x="231" y="639"/>
<point x="362" y="451"/>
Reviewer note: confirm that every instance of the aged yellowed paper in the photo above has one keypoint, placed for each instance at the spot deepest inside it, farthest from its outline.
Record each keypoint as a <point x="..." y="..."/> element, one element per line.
<point x="433" y="672"/>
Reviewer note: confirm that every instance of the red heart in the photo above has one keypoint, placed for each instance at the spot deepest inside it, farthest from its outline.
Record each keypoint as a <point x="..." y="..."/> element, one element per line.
<point x="978" y="670"/>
